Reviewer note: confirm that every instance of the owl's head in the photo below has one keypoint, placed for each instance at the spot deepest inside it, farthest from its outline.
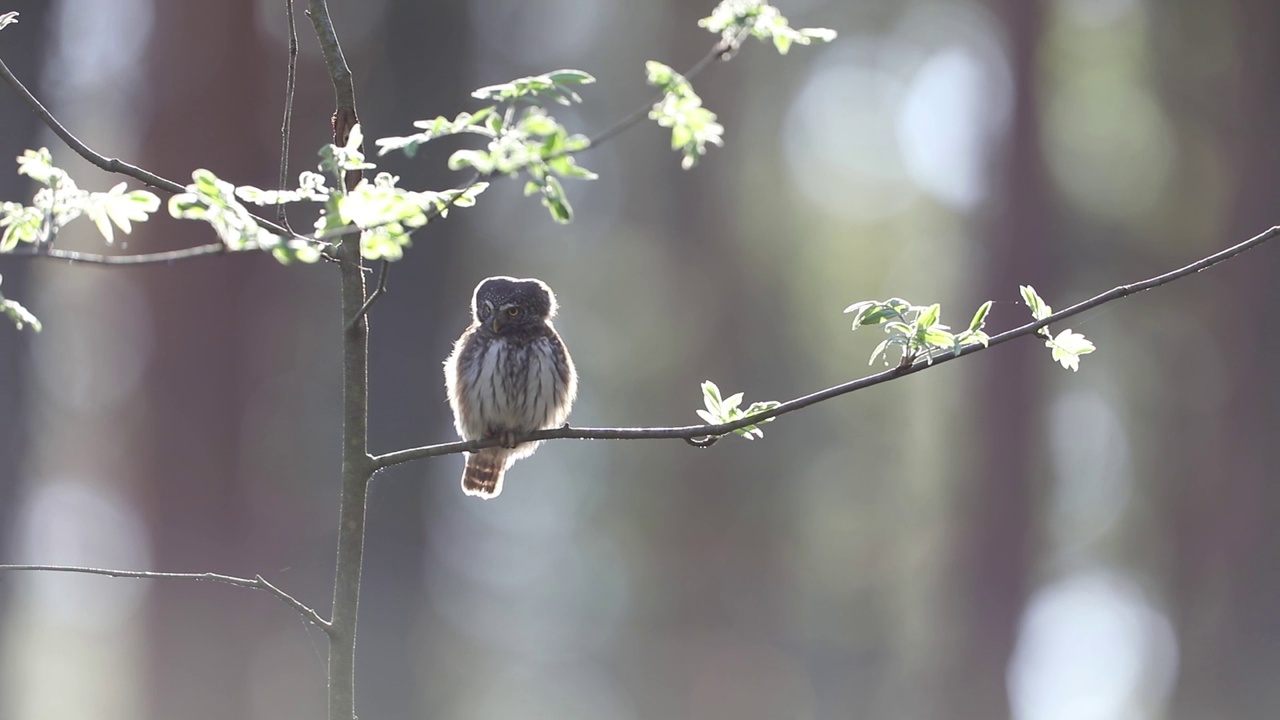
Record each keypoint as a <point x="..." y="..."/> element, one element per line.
<point x="505" y="305"/>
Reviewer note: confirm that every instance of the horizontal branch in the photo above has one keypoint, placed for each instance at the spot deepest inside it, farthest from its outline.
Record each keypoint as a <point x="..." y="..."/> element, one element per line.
<point x="703" y="435"/>
<point x="255" y="583"/>
<point x="157" y="258"/>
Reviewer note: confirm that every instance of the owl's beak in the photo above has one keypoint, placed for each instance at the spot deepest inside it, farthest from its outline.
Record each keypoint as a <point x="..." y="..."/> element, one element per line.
<point x="497" y="323"/>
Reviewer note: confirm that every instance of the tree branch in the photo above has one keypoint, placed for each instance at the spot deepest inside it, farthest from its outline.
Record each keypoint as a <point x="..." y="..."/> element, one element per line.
<point x="699" y="434"/>
<point x="113" y="165"/>
<point x="158" y="258"/>
<point x="722" y="50"/>
<point x="339" y="73"/>
<point x="378" y="290"/>
<point x="256" y="583"/>
<point x="286" y="126"/>
<point x="357" y="466"/>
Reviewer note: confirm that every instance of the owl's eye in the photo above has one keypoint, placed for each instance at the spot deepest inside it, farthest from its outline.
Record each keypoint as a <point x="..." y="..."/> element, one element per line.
<point x="513" y="311"/>
<point x="487" y="308"/>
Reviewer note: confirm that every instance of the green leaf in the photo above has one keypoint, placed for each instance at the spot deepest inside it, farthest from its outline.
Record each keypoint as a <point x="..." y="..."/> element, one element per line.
<point x="939" y="337"/>
<point x="566" y="166"/>
<point x="971" y="337"/>
<point x="311" y="187"/>
<point x="121" y="208"/>
<point x="214" y="201"/>
<point x="980" y="317"/>
<point x="554" y="199"/>
<point x="659" y="74"/>
<point x="289" y="250"/>
<point x="1067" y="348"/>
<point x="1039" y="309"/>
<point x="719" y="411"/>
<point x="387" y="215"/>
<point x="693" y="127"/>
<point x="763" y="21"/>
<point x="731" y="403"/>
<point x="21" y="223"/>
<point x="540" y="124"/>
<point x="479" y="160"/>
<point x="553" y="86"/>
<point x="711" y="396"/>
<point x="571" y="77"/>
<point x="37" y="165"/>
<point x="20" y="316"/>
<point x="929" y="316"/>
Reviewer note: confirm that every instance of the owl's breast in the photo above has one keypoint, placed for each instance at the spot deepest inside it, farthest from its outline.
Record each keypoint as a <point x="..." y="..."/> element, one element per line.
<point x="517" y="386"/>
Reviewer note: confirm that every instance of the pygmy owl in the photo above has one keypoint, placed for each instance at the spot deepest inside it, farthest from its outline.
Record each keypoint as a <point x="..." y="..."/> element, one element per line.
<point x="508" y="375"/>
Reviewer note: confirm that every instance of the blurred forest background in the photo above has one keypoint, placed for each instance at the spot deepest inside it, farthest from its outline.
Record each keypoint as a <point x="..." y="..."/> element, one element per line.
<point x="996" y="538"/>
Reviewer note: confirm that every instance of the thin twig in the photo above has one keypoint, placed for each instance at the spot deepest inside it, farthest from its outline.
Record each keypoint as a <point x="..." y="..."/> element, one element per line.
<point x="256" y="583"/>
<point x="111" y="165"/>
<point x="722" y="50"/>
<point x="378" y="290"/>
<point x="699" y="433"/>
<point x="286" y="127"/>
<point x="157" y="258"/>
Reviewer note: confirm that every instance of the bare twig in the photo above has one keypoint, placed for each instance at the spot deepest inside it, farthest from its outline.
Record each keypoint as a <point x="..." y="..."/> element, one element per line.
<point x="255" y="583"/>
<point x="722" y="50"/>
<point x="111" y="165"/>
<point x="378" y="290"/>
<point x="699" y="433"/>
<point x="286" y="126"/>
<point x="158" y="258"/>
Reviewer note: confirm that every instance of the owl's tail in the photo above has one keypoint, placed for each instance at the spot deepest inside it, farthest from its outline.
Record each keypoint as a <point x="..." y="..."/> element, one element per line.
<point x="483" y="473"/>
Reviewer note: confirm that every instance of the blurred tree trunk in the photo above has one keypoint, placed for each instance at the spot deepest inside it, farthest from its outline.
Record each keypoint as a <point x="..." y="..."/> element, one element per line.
<point x="720" y="538"/>
<point x="993" y="547"/>
<point x="207" y="106"/>
<point x="413" y="62"/>
<point x="24" y="53"/>
<point x="1225" y="498"/>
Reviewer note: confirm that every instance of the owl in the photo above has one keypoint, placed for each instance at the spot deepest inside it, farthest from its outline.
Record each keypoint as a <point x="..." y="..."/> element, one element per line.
<point x="508" y="375"/>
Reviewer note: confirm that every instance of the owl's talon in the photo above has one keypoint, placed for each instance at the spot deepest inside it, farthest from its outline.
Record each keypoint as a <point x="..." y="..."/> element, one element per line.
<point x="703" y="442"/>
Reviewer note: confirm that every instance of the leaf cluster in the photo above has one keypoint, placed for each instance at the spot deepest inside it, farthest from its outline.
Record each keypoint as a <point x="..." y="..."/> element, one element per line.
<point x="16" y="312"/>
<point x="1067" y="346"/>
<point x="916" y="330"/>
<point x="523" y="137"/>
<point x="762" y="21"/>
<point x="60" y="201"/>
<point x="692" y="125"/>
<point x="725" y="410"/>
